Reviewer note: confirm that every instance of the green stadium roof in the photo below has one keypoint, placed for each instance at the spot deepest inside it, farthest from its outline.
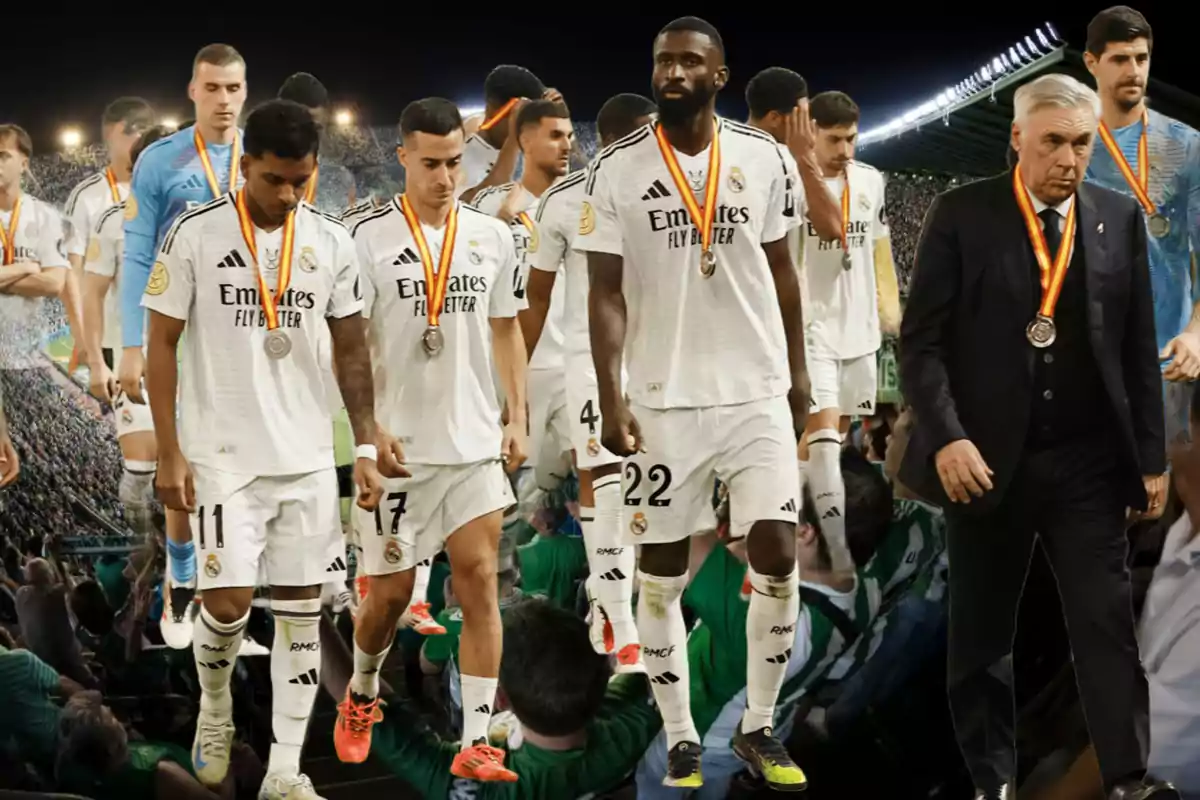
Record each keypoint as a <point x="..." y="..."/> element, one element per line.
<point x="970" y="136"/>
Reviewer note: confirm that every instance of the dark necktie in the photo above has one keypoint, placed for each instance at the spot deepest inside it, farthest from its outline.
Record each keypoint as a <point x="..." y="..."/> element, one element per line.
<point x="1050" y="220"/>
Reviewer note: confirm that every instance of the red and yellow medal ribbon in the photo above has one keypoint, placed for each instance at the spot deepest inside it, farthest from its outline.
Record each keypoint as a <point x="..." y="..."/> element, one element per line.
<point x="702" y="218"/>
<point x="526" y="220"/>
<point x="435" y="285"/>
<point x="1139" y="183"/>
<point x="1052" y="273"/>
<point x="206" y="162"/>
<point x="9" y="238"/>
<point x="111" y="177"/>
<point x="846" y="213"/>
<point x="266" y="299"/>
<point x="310" y="191"/>
<point x="496" y="118"/>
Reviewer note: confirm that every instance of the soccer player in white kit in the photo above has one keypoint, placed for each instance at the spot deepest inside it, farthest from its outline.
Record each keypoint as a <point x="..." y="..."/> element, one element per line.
<point x="545" y="136"/>
<point x="491" y="153"/>
<point x="102" y="332"/>
<point x="696" y="285"/>
<point x="437" y="283"/>
<point x="33" y="256"/>
<point x="123" y="122"/>
<point x="852" y="294"/>
<point x="254" y="275"/>
<point x="556" y="219"/>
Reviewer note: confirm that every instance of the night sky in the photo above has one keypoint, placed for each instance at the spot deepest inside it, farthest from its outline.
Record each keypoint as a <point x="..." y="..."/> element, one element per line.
<point x="887" y="60"/>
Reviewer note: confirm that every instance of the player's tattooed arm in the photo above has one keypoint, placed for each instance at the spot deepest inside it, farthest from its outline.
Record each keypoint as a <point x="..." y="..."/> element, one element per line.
<point x="352" y="365"/>
<point x="606" y="322"/>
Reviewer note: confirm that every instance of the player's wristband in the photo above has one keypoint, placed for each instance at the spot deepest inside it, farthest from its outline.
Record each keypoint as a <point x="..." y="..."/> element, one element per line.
<point x="367" y="451"/>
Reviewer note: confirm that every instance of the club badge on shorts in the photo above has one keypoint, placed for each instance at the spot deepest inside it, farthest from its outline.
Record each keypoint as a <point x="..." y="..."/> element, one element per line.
<point x="593" y="447"/>
<point x="638" y="524"/>
<point x="212" y="566"/>
<point x="392" y="553"/>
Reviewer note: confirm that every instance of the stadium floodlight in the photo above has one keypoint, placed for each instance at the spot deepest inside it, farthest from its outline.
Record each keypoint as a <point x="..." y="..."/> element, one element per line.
<point x="997" y="65"/>
<point x="470" y="110"/>
<point x="70" y="138"/>
<point x="1014" y="56"/>
<point x="170" y="123"/>
<point x="1033" y="48"/>
<point x="343" y="118"/>
<point x="1054" y="37"/>
<point x="1004" y="60"/>
<point x="1042" y="38"/>
<point x="1024" y="55"/>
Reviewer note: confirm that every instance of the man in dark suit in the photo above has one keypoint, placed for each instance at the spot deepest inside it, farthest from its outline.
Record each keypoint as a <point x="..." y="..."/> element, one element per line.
<point x="1027" y="351"/>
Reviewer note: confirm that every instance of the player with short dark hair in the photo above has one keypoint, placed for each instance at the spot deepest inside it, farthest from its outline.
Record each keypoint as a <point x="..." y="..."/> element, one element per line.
<point x="305" y="89"/>
<point x="122" y="122"/>
<point x="188" y="168"/>
<point x="611" y="564"/>
<point x="491" y="153"/>
<point x="253" y="276"/>
<point x="1155" y="159"/>
<point x="101" y="314"/>
<point x="685" y="228"/>
<point x="437" y="283"/>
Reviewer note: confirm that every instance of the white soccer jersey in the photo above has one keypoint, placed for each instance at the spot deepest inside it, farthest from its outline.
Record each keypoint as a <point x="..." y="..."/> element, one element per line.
<point x="87" y="201"/>
<point x="692" y="341"/>
<point x="843" y="304"/>
<point x="557" y="221"/>
<point x="549" y="352"/>
<point x="795" y="236"/>
<point x="443" y="408"/>
<point x="39" y="238"/>
<point x="478" y="158"/>
<point x="104" y="256"/>
<point x="242" y="411"/>
<point x="356" y="212"/>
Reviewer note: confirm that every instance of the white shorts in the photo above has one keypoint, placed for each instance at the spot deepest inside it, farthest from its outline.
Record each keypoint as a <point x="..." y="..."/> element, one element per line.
<point x="132" y="417"/>
<point x="549" y="433"/>
<point x="418" y="514"/>
<point x="583" y="414"/>
<point x="284" y="529"/>
<point x="750" y="447"/>
<point x="849" y="385"/>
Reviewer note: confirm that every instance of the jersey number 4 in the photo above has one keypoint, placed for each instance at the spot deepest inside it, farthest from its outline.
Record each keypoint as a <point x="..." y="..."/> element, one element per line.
<point x="589" y="417"/>
<point x="397" y="511"/>
<point x="657" y="474"/>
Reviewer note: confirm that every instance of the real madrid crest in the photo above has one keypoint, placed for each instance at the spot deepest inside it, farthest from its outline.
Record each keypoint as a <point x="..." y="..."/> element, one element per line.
<point x="127" y="416"/>
<point x="473" y="253"/>
<point x="392" y="553"/>
<point x="737" y="181"/>
<point x="593" y="447"/>
<point x="159" y="280"/>
<point x="864" y="202"/>
<point x="638" y="524"/>
<point x="131" y="208"/>
<point x="212" y="567"/>
<point x="308" y="259"/>
<point x="587" y="219"/>
<point x="93" y="250"/>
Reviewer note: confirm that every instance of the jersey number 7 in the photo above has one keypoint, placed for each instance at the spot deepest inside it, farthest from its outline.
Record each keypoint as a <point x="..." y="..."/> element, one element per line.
<point x="397" y="511"/>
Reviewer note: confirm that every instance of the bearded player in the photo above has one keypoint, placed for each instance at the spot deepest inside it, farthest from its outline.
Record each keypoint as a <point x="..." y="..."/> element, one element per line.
<point x="102" y="325"/>
<point x="437" y="283"/>
<point x="192" y="166"/>
<point x="610" y="562"/>
<point x="696" y="284"/>
<point x="255" y="464"/>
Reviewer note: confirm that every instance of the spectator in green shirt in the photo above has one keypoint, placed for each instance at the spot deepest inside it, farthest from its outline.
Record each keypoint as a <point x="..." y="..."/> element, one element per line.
<point x="29" y="721"/>
<point x="579" y="733"/>
<point x="552" y="566"/>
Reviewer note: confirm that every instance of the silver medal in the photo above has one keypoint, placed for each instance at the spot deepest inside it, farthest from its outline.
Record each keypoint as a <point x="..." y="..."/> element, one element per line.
<point x="277" y="344"/>
<point x="433" y="340"/>
<point x="708" y="262"/>
<point x="846" y="261"/>
<point x="1041" y="331"/>
<point x="1159" y="226"/>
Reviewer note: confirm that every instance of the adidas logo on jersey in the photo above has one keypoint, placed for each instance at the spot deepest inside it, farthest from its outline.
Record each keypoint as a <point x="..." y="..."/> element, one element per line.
<point x="338" y="565"/>
<point x="789" y="506"/>
<point x="194" y="181"/>
<point x="666" y="679"/>
<point x="234" y="259"/>
<point x="407" y="256"/>
<point x="309" y="678"/>
<point x="656" y="191"/>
